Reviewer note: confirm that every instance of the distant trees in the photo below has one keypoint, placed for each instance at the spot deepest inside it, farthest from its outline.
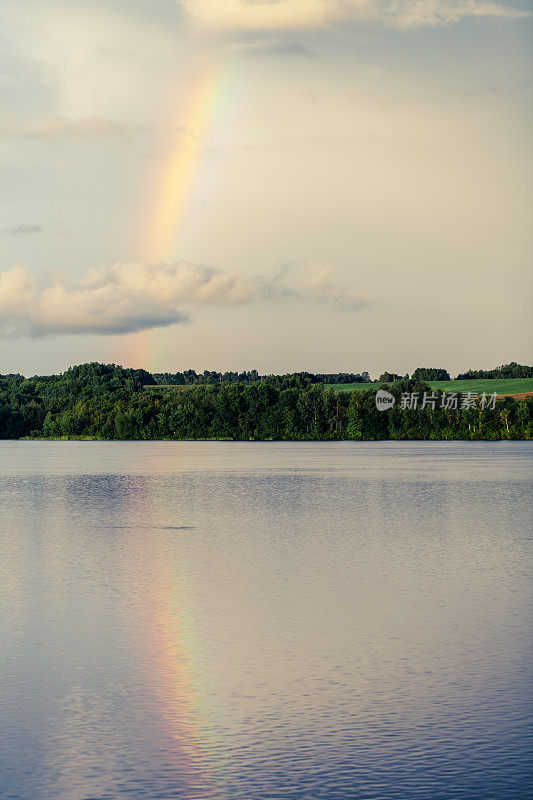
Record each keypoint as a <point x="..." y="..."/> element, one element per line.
<point x="344" y="377"/>
<point x="512" y="370"/>
<point x="390" y="377"/>
<point x="107" y="402"/>
<point x="430" y="374"/>
<point x="191" y="378"/>
<point x="208" y="378"/>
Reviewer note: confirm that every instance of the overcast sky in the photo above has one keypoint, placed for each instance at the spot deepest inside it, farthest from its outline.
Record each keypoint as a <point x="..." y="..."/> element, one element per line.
<point x="282" y="185"/>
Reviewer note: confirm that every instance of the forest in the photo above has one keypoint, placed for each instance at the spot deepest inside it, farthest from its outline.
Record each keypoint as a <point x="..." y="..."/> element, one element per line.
<point x="98" y="401"/>
<point x="190" y="377"/>
<point x="512" y="370"/>
<point x="209" y="377"/>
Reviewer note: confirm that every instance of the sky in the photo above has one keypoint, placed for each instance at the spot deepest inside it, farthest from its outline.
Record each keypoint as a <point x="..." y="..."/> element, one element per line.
<point x="280" y="185"/>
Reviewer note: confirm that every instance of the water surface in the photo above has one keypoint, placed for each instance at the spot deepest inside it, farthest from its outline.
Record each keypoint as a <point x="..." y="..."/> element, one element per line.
<point x="279" y="620"/>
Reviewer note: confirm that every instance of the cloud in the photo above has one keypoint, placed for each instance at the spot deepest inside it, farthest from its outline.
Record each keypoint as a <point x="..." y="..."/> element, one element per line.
<point x="407" y="14"/>
<point x="125" y="298"/>
<point x="21" y="230"/>
<point x="308" y="283"/>
<point x="63" y="128"/>
<point x="277" y="46"/>
<point x="259" y="16"/>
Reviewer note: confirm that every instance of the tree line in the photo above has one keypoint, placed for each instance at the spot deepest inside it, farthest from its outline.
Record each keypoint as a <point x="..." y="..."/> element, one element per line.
<point x="512" y="370"/>
<point x="190" y="377"/>
<point x="109" y="402"/>
<point x="420" y="374"/>
<point x="210" y="378"/>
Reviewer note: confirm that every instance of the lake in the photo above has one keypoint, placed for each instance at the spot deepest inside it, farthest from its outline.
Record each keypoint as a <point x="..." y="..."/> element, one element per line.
<point x="209" y="620"/>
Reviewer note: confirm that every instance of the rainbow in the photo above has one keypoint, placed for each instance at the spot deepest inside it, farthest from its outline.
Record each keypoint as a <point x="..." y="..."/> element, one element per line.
<point x="178" y="681"/>
<point x="203" y="130"/>
<point x="174" y="658"/>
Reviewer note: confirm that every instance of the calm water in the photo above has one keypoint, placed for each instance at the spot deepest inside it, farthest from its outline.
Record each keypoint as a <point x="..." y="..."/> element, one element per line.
<point x="251" y="621"/>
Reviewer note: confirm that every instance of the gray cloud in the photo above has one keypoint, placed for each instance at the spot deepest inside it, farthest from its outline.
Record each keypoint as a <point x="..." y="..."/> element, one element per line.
<point x="21" y="230"/>
<point x="277" y="47"/>
<point x="62" y="128"/>
<point x="125" y="298"/>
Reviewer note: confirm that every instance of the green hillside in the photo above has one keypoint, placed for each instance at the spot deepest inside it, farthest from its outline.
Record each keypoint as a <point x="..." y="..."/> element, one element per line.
<point x="479" y="385"/>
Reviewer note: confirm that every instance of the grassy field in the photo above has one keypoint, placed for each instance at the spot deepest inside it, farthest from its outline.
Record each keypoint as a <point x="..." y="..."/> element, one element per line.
<point x="498" y="385"/>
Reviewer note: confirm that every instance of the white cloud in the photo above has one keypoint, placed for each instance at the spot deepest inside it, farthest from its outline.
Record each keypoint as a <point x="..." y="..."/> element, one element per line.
<point x="124" y="298"/>
<point x="63" y="128"/>
<point x="272" y="15"/>
<point x="418" y="13"/>
<point x="249" y="16"/>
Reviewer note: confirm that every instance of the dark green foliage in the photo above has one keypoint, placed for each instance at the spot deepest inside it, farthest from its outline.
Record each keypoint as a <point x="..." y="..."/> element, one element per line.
<point x="431" y="374"/>
<point x="344" y="377"/>
<point x="108" y="402"/>
<point x="191" y="378"/>
<point x="390" y="377"/>
<point x="512" y="370"/>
